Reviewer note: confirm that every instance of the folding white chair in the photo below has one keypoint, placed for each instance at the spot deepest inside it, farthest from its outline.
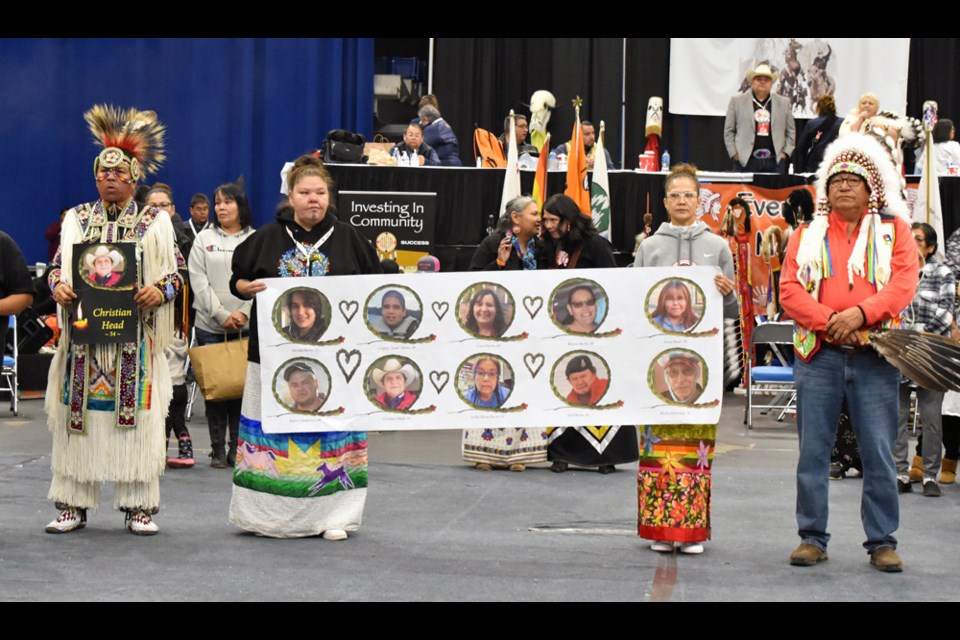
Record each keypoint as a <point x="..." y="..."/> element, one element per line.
<point x="776" y="381"/>
<point x="9" y="371"/>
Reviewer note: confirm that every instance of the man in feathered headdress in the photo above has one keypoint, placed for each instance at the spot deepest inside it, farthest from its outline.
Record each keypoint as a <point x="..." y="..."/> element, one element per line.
<point x="853" y="267"/>
<point x="106" y="403"/>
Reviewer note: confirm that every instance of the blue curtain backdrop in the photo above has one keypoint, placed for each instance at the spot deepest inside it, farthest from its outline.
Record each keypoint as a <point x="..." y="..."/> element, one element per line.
<point x="232" y="107"/>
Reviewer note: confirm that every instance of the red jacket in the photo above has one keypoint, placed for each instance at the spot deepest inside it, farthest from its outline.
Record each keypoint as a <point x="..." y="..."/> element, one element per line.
<point x="597" y="389"/>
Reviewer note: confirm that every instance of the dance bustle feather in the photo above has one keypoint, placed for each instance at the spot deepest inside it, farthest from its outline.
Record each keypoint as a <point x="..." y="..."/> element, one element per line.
<point x="930" y="360"/>
<point x="139" y="133"/>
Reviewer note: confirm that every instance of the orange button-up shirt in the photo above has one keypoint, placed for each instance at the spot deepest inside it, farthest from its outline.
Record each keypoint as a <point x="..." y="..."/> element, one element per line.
<point x="836" y="293"/>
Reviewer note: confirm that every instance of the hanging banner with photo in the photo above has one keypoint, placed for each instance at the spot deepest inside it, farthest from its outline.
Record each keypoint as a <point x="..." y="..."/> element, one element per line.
<point x="706" y="72"/>
<point x="484" y="349"/>
<point x="766" y="224"/>
<point x="105" y="278"/>
<point x="399" y="224"/>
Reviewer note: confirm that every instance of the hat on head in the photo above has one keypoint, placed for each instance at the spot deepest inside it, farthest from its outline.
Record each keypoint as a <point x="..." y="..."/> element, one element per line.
<point x="428" y="264"/>
<point x="295" y="367"/>
<point x="672" y="356"/>
<point x="864" y="156"/>
<point x="103" y="250"/>
<point x="393" y="365"/>
<point x="578" y="364"/>
<point x="129" y="137"/>
<point x="762" y="70"/>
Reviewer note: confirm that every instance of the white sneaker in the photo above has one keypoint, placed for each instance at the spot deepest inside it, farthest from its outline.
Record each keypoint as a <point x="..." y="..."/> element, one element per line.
<point x="69" y="519"/>
<point x="662" y="546"/>
<point x="691" y="548"/>
<point x="334" y="534"/>
<point x="140" y="523"/>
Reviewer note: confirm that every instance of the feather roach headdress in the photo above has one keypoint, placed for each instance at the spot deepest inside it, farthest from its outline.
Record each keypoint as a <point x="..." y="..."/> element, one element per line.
<point x="129" y="137"/>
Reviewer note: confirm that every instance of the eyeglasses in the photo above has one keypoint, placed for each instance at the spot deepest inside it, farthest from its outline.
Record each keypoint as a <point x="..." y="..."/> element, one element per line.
<point x="851" y="181"/>
<point x="686" y="195"/>
<point x="163" y="205"/>
<point x="680" y="371"/>
<point x="487" y="375"/>
<point x="579" y="304"/>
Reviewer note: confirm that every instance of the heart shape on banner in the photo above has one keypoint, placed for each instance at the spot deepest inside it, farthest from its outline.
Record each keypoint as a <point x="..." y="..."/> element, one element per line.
<point x="345" y="360"/>
<point x="439" y="380"/>
<point x="440" y="309"/>
<point x="532" y="304"/>
<point x="533" y="362"/>
<point x="348" y="308"/>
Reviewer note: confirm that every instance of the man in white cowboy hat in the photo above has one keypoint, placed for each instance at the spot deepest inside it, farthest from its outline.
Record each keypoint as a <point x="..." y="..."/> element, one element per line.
<point x="759" y="131"/>
<point x="394" y="379"/>
<point x="105" y="266"/>
<point x="854" y="267"/>
<point x="304" y="387"/>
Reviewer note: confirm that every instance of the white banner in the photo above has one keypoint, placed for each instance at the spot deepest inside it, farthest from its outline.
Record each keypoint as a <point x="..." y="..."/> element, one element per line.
<point x="706" y="72"/>
<point x="488" y="349"/>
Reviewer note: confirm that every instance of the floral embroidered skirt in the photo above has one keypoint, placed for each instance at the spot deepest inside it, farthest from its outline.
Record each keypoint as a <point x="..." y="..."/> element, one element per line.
<point x="673" y="485"/>
<point x="503" y="447"/>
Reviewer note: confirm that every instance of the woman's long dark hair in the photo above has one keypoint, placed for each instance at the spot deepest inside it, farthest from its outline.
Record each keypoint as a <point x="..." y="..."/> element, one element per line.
<point x="499" y="320"/>
<point x="689" y="317"/>
<point x="581" y="226"/>
<point x="311" y="299"/>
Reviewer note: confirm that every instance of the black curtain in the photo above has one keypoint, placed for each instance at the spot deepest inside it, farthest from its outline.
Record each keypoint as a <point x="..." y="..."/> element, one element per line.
<point x="478" y="80"/>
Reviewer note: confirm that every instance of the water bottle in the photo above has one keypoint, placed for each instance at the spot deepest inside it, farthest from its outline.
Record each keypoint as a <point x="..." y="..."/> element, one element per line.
<point x="404" y="160"/>
<point x="552" y="161"/>
<point x="665" y="161"/>
<point x="396" y="155"/>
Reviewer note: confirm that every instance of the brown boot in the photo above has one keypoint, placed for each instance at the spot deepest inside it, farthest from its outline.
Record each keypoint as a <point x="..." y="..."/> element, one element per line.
<point x="807" y="555"/>
<point x="948" y="471"/>
<point x="916" y="469"/>
<point x="886" y="559"/>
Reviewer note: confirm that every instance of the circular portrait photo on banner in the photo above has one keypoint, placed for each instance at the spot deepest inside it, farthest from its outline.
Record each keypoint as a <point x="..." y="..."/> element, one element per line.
<point x="678" y="376"/>
<point x="578" y="306"/>
<point x="485" y="381"/>
<point x="394" y="312"/>
<point x="675" y="305"/>
<point x="486" y="310"/>
<point x="580" y="378"/>
<point x="302" y="385"/>
<point x="302" y="315"/>
<point x="394" y="383"/>
<point x="104" y="266"/>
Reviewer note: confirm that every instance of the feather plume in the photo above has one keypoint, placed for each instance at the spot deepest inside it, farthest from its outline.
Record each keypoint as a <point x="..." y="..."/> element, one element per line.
<point x="930" y="360"/>
<point x="139" y="133"/>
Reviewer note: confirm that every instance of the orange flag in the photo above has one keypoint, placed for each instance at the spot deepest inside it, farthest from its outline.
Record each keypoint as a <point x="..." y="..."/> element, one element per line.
<point x="540" y="179"/>
<point x="577" y="187"/>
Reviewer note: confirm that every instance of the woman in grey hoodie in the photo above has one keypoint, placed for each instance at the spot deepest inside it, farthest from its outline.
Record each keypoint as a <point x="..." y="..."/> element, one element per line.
<point x="676" y="508"/>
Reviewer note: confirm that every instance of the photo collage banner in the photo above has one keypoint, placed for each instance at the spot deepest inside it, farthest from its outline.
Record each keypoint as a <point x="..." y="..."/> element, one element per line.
<point x="491" y="349"/>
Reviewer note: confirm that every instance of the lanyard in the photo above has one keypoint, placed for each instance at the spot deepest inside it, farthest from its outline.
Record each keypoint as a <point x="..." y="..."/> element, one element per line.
<point x="301" y="247"/>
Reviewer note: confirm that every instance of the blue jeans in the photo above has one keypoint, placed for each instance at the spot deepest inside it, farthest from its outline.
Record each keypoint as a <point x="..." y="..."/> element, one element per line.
<point x="870" y="386"/>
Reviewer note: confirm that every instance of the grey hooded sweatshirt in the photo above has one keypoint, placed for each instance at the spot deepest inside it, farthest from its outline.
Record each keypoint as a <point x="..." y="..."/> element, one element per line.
<point x="695" y="245"/>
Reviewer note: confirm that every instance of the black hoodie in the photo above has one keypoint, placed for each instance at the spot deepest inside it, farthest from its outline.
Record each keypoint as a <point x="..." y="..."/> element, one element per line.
<point x="262" y="255"/>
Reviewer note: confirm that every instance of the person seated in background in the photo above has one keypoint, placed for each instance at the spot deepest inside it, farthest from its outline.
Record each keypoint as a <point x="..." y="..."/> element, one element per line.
<point x="946" y="149"/>
<point x="439" y="135"/>
<point x="589" y="133"/>
<point x="520" y="128"/>
<point x="414" y="147"/>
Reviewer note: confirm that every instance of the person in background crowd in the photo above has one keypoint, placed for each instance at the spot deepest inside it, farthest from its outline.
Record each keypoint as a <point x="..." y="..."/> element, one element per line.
<point x="439" y="135"/>
<point x="589" y="133"/>
<point x="817" y="135"/>
<point x="414" y="146"/>
<point x="759" y="131"/>
<point x="520" y="128"/>
<point x="199" y="215"/>
<point x="947" y="149"/>
<point x="16" y="285"/>
<point x="932" y="311"/>
<point x="52" y="235"/>
<point x="221" y="316"/>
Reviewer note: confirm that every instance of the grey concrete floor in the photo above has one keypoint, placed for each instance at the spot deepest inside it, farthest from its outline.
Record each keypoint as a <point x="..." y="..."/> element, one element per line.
<point x="436" y="529"/>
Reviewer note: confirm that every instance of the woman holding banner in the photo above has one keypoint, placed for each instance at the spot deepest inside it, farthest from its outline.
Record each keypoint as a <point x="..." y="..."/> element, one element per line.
<point x="513" y="246"/>
<point x="572" y="242"/>
<point x="318" y="484"/>
<point x="675" y="465"/>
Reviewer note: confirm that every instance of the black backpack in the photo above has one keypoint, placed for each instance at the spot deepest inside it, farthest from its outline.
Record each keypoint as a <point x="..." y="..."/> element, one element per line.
<point x="344" y="146"/>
